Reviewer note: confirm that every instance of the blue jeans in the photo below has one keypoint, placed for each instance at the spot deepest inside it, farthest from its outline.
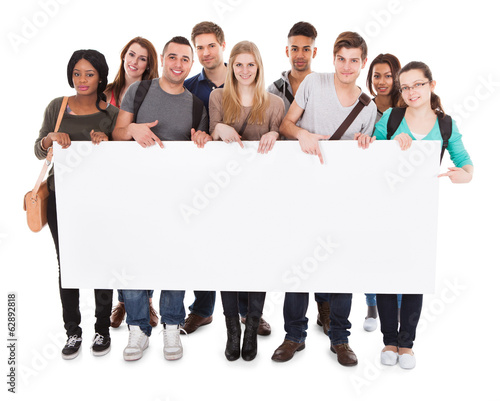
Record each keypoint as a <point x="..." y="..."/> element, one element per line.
<point x="120" y="295"/>
<point x="371" y="300"/>
<point x="137" y="307"/>
<point x="204" y="303"/>
<point x="340" y="308"/>
<point x="321" y="297"/>
<point x="294" y="313"/>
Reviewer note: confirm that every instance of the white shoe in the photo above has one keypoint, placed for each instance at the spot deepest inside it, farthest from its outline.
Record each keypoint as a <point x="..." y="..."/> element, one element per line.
<point x="370" y="324"/>
<point x="407" y="361"/>
<point x="138" y="341"/>
<point x="172" y="346"/>
<point x="389" y="358"/>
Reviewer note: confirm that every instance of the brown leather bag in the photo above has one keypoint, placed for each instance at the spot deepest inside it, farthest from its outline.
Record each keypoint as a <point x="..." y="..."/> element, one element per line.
<point x="35" y="201"/>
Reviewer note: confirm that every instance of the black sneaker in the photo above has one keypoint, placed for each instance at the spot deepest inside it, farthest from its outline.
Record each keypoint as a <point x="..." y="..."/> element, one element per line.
<point x="101" y="344"/>
<point x="72" y="347"/>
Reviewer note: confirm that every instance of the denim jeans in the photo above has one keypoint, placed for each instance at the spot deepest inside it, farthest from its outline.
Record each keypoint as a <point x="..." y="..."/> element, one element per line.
<point x="204" y="303"/>
<point x="411" y="307"/>
<point x="120" y="295"/>
<point x="294" y="313"/>
<point x="371" y="300"/>
<point x="137" y="307"/>
<point x="321" y="297"/>
<point x="340" y="308"/>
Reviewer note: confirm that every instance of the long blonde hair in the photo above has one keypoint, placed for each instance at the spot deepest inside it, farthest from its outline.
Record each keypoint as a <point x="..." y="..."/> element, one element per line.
<point x="231" y="104"/>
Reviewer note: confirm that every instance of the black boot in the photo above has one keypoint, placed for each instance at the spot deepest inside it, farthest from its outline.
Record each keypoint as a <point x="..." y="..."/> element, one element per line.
<point x="249" y="347"/>
<point x="233" y="338"/>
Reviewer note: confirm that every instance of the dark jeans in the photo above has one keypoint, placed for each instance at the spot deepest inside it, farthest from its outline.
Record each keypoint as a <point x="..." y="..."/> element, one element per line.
<point x="70" y="297"/>
<point x="255" y="303"/>
<point x="204" y="303"/>
<point x="411" y="307"/>
<point x="294" y="313"/>
<point x="340" y="309"/>
<point x="295" y="309"/>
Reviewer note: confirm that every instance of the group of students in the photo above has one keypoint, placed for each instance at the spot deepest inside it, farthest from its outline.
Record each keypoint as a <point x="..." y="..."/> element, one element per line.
<point x="229" y="102"/>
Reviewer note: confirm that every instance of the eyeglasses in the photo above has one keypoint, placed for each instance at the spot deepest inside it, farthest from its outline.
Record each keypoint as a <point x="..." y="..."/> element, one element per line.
<point x="407" y="89"/>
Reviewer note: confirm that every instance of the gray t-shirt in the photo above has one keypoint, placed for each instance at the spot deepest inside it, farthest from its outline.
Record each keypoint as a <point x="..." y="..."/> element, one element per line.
<point x="323" y="112"/>
<point x="173" y="112"/>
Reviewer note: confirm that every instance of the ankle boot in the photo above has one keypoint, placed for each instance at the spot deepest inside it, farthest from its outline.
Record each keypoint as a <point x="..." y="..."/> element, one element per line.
<point x="233" y="338"/>
<point x="249" y="347"/>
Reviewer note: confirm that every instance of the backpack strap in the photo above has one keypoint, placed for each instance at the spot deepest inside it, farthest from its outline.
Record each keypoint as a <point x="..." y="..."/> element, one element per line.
<point x="197" y="111"/>
<point x="397" y="115"/>
<point x="445" y="126"/>
<point x="140" y="95"/>
<point x="280" y="84"/>
<point x="364" y="100"/>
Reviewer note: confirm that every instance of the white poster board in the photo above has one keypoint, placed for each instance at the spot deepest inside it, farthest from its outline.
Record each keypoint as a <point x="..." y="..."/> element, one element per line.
<point x="226" y="218"/>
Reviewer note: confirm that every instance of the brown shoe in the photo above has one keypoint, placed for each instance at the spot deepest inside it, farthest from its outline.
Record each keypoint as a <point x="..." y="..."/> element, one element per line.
<point x="345" y="355"/>
<point x="118" y="315"/>
<point x="264" y="327"/>
<point x="153" y="317"/>
<point x="193" y="322"/>
<point x="324" y="316"/>
<point x="286" y="350"/>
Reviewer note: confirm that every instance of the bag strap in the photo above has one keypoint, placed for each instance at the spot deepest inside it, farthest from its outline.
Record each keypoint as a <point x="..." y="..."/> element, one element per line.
<point x="140" y="95"/>
<point x="243" y="127"/>
<point x="364" y="100"/>
<point x="280" y="84"/>
<point x="395" y="118"/>
<point x="48" y="159"/>
<point x="445" y="126"/>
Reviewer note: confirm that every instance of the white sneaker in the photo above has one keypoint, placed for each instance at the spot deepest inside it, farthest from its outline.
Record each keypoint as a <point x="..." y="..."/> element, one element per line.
<point x="370" y="324"/>
<point x="389" y="358"/>
<point x="407" y="361"/>
<point x="138" y="341"/>
<point x="172" y="346"/>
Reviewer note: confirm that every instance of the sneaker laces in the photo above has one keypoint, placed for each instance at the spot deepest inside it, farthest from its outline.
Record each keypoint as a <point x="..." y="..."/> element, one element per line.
<point x="134" y="339"/>
<point x="98" y="339"/>
<point x="172" y="337"/>
<point x="72" y="341"/>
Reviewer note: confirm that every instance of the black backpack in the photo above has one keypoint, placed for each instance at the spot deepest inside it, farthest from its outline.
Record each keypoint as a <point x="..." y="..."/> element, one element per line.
<point x="444" y="121"/>
<point x="142" y="91"/>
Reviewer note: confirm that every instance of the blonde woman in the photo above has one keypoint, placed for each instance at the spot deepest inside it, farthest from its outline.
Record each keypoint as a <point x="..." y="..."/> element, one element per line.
<point x="244" y="111"/>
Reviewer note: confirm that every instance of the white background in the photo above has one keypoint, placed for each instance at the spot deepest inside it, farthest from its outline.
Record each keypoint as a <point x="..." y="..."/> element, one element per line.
<point x="457" y="335"/>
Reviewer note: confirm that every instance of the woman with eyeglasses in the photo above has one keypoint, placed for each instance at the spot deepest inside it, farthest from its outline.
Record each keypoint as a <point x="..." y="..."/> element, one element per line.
<point x="421" y="111"/>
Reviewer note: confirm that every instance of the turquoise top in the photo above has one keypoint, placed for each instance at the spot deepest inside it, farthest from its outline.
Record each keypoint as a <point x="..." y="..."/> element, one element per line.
<point x="458" y="154"/>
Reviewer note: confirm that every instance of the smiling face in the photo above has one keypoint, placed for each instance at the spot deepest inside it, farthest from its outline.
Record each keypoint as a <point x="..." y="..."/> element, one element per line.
<point x="348" y="65"/>
<point x="210" y="53"/>
<point x="382" y="79"/>
<point x="300" y="51"/>
<point x="135" y="61"/>
<point x="85" y="78"/>
<point x="245" y="68"/>
<point x="176" y="61"/>
<point x="416" y="88"/>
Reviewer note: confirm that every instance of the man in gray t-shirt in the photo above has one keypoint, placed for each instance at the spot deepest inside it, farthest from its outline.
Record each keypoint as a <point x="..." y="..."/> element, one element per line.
<point x="322" y="103"/>
<point x="166" y="114"/>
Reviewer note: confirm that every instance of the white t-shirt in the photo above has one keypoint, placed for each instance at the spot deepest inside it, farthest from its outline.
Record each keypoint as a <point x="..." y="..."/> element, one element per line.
<point x="323" y="112"/>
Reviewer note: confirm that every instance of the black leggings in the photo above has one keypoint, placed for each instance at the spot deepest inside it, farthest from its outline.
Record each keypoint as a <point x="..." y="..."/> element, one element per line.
<point x="70" y="298"/>
<point x="230" y="303"/>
